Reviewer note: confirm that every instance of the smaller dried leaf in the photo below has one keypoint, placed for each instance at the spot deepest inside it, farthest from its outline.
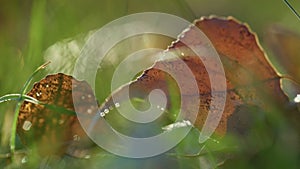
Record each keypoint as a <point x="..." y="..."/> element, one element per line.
<point x="51" y="130"/>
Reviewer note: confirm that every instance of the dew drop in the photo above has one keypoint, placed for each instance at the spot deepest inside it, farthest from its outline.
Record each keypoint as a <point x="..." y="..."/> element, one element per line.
<point x="38" y="94"/>
<point x="27" y="125"/>
<point x="162" y="109"/>
<point x="216" y="141"/>
<point x="89" y="111"/>
<point x="176" y="125"/>
<point x="110" y="108"/>
<point x="87" y="156"/>
<point x="158" y="106"/>
<point x="82" y="97"/>
<point x="24" y="160"/>
<point x="182" y="54"/>
<point x="297" y="98"/>
<point x="61" y="121"/>
<point x="89" y="96"/>
<point x="117" y="104"/>
<point x="106" y="111"/>
<point x="102" y="114"/>
<point x="76" y="138"/>
<point x="47" y="85"/>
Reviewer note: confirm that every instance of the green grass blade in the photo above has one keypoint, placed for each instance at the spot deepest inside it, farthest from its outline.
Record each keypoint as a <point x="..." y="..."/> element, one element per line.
<point x="18" y="106"/>
<point x="36" y="30"/>
<point x="18" y="97"/>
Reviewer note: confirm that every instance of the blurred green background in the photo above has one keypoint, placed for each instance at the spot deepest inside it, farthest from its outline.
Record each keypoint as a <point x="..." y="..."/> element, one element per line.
<point x="29" y="27"/>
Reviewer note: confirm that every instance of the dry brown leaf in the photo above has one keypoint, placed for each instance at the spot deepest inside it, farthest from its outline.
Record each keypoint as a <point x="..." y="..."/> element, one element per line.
<point x="250" y="77"/>
<point x="55" y="132"/>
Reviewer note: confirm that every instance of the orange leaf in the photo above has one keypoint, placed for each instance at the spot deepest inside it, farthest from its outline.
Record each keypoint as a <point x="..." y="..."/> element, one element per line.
<point x="55" y="132"/>
<point x="250" y="77"/>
